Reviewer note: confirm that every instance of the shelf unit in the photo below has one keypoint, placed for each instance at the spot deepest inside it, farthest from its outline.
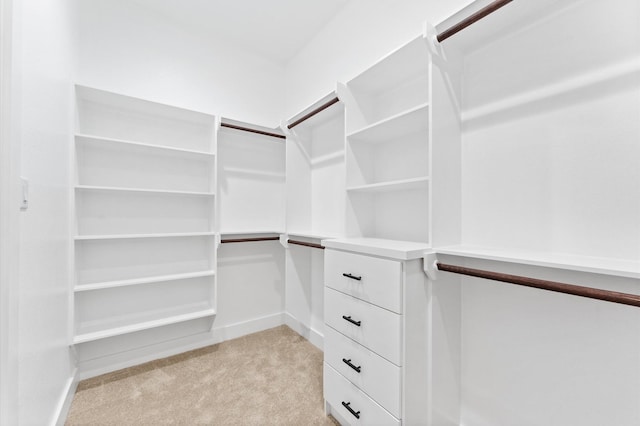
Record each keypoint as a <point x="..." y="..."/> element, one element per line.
<point x="315" y="172"/>
<point x="251" y="179"/>
<point x="388" y="176"/>
<point x="316" y="203"/>
<point x="145" y="195"/>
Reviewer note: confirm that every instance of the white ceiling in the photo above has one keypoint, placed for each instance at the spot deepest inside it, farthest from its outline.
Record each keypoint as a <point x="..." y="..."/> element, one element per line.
<point x="276" y="29"/>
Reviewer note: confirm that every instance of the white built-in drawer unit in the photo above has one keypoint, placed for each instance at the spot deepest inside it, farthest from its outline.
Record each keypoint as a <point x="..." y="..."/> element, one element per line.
<point x="367" y="324"/>
<point x="362" y="410"/>
<point x="374" y="375"/>
<point x="375" y="342"/>
<point x="372" y="279"/>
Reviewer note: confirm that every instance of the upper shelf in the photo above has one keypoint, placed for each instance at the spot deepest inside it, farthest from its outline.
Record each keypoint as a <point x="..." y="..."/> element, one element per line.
<point x="616" y="267"/>
<point x="411" y="121"/>
<point x="121" y="117"/>
<point x="143" y="190"/>
<point x="143" y="236"/>
<point x="189" y="153"/>
<point x="404" y="64"/>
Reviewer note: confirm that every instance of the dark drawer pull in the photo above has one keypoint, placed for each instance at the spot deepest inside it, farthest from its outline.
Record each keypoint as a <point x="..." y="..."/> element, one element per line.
<point x="348" y="362"/>
<point x="346" y="405"/>
<point x="348" y="318"/>
<point x="353" y="277"/>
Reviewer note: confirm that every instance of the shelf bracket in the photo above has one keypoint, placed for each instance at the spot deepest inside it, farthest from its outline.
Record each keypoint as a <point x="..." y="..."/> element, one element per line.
<point x="283" y="240"/>
<point x="429" y="265"/>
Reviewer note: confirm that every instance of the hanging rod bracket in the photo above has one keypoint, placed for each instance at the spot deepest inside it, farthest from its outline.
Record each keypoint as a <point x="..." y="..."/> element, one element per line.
<point x="284" y="238"/>
<point x="430" y="36"/>
<point x="430" y="265"/>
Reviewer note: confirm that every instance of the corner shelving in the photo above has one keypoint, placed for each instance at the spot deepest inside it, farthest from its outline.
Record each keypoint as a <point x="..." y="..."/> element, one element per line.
<point x="145" y="195"/>
<point x="251" y="179"/>
<point x="388" y="147"/>
<point x="315" y="171"/>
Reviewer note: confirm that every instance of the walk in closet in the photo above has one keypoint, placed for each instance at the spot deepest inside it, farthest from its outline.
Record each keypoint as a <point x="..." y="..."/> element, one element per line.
<point x="443" y="197"/>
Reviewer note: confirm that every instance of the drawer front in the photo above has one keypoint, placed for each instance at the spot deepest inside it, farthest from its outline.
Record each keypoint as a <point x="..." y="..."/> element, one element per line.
<point x="339" y="392"/>
<point x="373" y="374"/>
<point x="375" y="280"/>
<point x="373" y="327"/>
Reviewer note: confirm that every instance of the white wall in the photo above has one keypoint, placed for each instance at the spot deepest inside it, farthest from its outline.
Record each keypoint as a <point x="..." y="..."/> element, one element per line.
<point x="9" y="218"/>
<point x="550" y="146"/>
<point x="251" y="287"/>
<point x="128" y="49"/>
<point x="363" y="32"/>
<point x="43" y="63"/>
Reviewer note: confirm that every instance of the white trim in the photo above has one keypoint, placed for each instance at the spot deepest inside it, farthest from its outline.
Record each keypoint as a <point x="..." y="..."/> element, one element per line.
<point x="314" y="336"/>
<point x="64" y="405"/>
<point x="8" y="226"/>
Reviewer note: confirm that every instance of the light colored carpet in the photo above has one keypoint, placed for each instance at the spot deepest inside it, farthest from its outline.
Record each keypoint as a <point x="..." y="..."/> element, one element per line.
<point x="269" y="378"/>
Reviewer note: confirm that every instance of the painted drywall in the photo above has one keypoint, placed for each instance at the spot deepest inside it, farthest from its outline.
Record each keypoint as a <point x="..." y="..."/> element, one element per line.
<point x="551" y="163"/>
<point x="43" y="63"/>
<point x="9" y="218"/>
<point x="550" y="151"/>
<point x="251" y="286"/>
<point x="534" y="357"/>
<point x="129" y="49"/>
<point x="359" y="35"/>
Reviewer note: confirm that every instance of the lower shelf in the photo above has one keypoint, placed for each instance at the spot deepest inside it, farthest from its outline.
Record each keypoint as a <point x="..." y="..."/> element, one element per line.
<point x="131" y="328"/>
<point x="144" y="280"/>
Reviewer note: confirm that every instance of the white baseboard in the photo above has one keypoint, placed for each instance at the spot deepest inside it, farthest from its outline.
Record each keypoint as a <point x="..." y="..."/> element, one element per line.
<point x="119" y="361"/>
<point x="312" y="335"/>
<point x="62" y="410"/>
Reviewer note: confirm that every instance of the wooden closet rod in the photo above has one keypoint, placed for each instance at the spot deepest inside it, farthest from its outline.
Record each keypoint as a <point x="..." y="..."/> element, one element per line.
<point x="576" y="290"/>
<point x="314" y="112"/>
<point x="246" y="240"/>
<point x="306" y="244"/>
<point x="490" y="8"/>
<point x="246" y="129"/>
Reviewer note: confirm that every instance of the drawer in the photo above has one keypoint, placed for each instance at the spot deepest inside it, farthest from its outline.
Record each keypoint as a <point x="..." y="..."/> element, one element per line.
<point x="339" y="392"/>
<point x="373" y="327"/>
<point x="375" y="280"/>
<point x="373" y="374"/>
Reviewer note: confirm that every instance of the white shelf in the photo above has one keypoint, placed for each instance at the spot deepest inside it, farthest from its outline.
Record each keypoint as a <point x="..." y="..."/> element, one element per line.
<point x="396" y="185"/>
<point x="309" y="234"/>
<point x="607" y="266"/>
<point x="132" y="328"/>
<point x="143" y="190"/>
<point x="401" y="250"/>
<point x="146" y="280"/>
<point x="135" y="236"/>
<point x="406" y="122"/>
<point x="160" y="148"/>
<point x="249" y="233"/>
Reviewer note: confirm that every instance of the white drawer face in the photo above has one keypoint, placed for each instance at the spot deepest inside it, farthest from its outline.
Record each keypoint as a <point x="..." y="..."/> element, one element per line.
<point x="375" y="280"/>
<point x="373" y="374"/>
<point x="373" y="327"/>
<point x="353" y="406"/>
